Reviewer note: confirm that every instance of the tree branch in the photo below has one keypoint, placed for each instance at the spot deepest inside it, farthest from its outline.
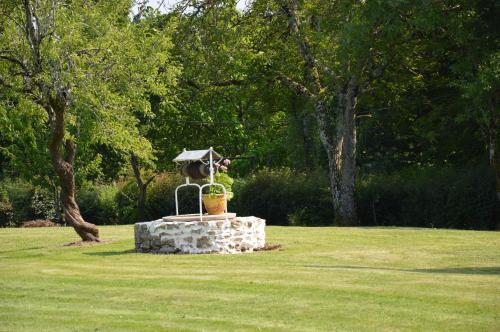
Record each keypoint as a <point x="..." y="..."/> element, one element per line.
<point x="16" y="61"/>
<point x="134" y="161"/>
<point x="32" y="31"/>
<point x="226" y="83"/>
<point x="148" y="181"/>
<point x="88" y="51"/>
<point x="363" y="115"/>
<point x="201" y="86"/>
<point x="295" y="86"/>
<point x="302" y="41"/>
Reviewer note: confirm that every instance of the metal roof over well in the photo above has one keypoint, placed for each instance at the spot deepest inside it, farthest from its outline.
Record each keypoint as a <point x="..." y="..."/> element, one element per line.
<point x="194" y="155"/>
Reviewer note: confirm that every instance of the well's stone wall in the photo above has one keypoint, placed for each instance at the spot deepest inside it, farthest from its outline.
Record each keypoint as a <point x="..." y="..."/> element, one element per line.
<point x="238" y="234"/>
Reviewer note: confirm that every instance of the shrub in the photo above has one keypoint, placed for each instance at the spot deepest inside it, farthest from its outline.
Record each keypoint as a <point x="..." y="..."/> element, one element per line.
<point x="161" y="197"/>
<point x="98" y="203"/>
<point x="430" y="197"/>
<point x="283" y="197"/>
<point x="6" y="210"/>
<point x="126" y="202"/>
<point x="43" y="204"/>
<point x="19" y="196"/>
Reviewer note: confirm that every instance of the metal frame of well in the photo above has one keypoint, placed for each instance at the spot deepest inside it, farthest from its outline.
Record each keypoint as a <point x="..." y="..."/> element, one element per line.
<point x="200" y="155"/>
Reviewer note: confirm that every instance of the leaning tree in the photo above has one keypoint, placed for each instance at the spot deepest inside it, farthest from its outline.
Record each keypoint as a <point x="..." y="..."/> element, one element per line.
<point x="87" y="69"/>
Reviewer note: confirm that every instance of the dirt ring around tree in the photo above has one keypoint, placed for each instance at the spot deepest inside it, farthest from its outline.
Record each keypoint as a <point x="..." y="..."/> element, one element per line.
<point x="86" y="243"/>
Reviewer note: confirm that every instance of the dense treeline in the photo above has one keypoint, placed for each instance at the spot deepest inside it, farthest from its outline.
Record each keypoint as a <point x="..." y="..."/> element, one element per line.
<point x="448" y="197"/>
<point x="337" y="112"/>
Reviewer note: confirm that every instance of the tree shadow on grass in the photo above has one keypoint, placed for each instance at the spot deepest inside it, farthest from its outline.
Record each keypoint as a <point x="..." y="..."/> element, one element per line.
<point x="18" y="250"/>
<point x="486" y="270"/>
<point x="110" y="253"/>
<point x="491" y="270"/>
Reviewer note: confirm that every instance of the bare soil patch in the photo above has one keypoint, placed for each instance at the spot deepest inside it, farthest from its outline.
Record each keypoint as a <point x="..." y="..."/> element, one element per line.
<point x="85" y="243"/>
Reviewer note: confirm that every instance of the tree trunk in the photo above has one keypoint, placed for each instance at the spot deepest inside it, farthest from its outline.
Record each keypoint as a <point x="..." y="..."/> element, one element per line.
<point x="306" y="161"/>
<point x="337" y="131"/>
<point x="341" y="151"/>
<point x="143" y="186"/>
<point x="346" y="128"/>
<point x="56" y="196"/>
<point x="64" y="170"/>
<point x="307" y="143"/>
<point x="494" y="158"/>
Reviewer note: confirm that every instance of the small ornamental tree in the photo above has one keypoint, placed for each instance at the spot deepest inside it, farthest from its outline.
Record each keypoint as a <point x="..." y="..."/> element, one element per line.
<point x="86" y="68"/>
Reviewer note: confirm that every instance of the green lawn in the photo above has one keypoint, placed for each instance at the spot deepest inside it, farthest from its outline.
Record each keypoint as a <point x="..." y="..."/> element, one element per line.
<point x="324" y="279"/>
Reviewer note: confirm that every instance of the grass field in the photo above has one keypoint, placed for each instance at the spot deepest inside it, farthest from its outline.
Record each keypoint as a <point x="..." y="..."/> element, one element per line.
<point x="324" y="279"/>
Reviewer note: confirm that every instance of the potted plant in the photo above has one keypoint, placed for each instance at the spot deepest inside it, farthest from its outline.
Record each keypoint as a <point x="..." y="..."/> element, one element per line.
<point x="214" y="200"/>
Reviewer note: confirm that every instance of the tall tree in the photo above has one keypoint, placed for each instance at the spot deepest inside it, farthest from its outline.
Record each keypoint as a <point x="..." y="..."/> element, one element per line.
<point x="339" y="49"/>
<point x="222" y="97"/>
<point x="68" y="61"/>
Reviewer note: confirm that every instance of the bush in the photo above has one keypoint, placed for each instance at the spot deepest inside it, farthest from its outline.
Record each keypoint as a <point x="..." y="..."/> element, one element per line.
<point x="43" y="204"/>
<point x="6" y="210"/>
<point x="430" y="197"/>
<point x="17" y="201"/>
<point x="126" y="202"/>
<point x="283" y="197"/>
<point x="161" y="197"/>
<point x="98" y="203"/>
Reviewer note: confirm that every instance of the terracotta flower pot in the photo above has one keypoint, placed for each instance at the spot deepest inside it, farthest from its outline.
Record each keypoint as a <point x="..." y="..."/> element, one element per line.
<point x="214" y="203"/>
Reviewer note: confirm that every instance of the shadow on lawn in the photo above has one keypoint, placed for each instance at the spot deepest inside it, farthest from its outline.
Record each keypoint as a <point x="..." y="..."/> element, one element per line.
<point x="493" y="270"/>
<point x="488" y="270"/>
<point x="110" y="253"/>
<point x="18" y="250"/>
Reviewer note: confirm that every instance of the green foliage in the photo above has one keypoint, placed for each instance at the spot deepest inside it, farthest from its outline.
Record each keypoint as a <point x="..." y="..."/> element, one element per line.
<point x="22" y="201"/>
<point x="160" y="200"/>
<point x="23" y="139"/>
<point x="161" y="196"/>
<point x="43" y="204"/>
<point x="226" y="181"/>
<point x="98" y="203"/>
<point x="109" y="85"/>
<point x="126" y="201"/>
<point x="19" y="195"/>
<point x="6" y="210"/>
<point x="207" y="77"/>
<point x="284" y="197"/>
<point x="418" y="197"/>
<point x="430" y="197"/>
<point x="224" y="101"/>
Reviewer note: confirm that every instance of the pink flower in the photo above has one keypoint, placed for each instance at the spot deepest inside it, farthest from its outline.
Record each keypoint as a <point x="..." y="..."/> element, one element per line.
<point x="226" y="162"/>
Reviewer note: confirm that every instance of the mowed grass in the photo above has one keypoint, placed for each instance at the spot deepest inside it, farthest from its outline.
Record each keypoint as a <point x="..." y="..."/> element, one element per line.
<point x="324" y="279"/>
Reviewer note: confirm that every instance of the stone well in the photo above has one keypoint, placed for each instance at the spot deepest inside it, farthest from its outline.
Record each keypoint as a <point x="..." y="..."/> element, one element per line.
<point x="188" y="235"/>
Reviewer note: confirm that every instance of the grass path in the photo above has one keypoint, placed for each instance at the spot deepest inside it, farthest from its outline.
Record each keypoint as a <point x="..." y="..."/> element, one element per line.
<point x="324" y="279"/>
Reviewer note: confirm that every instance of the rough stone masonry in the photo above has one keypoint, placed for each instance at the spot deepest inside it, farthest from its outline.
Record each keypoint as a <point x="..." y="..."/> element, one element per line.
<point x="235" y="235"/>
